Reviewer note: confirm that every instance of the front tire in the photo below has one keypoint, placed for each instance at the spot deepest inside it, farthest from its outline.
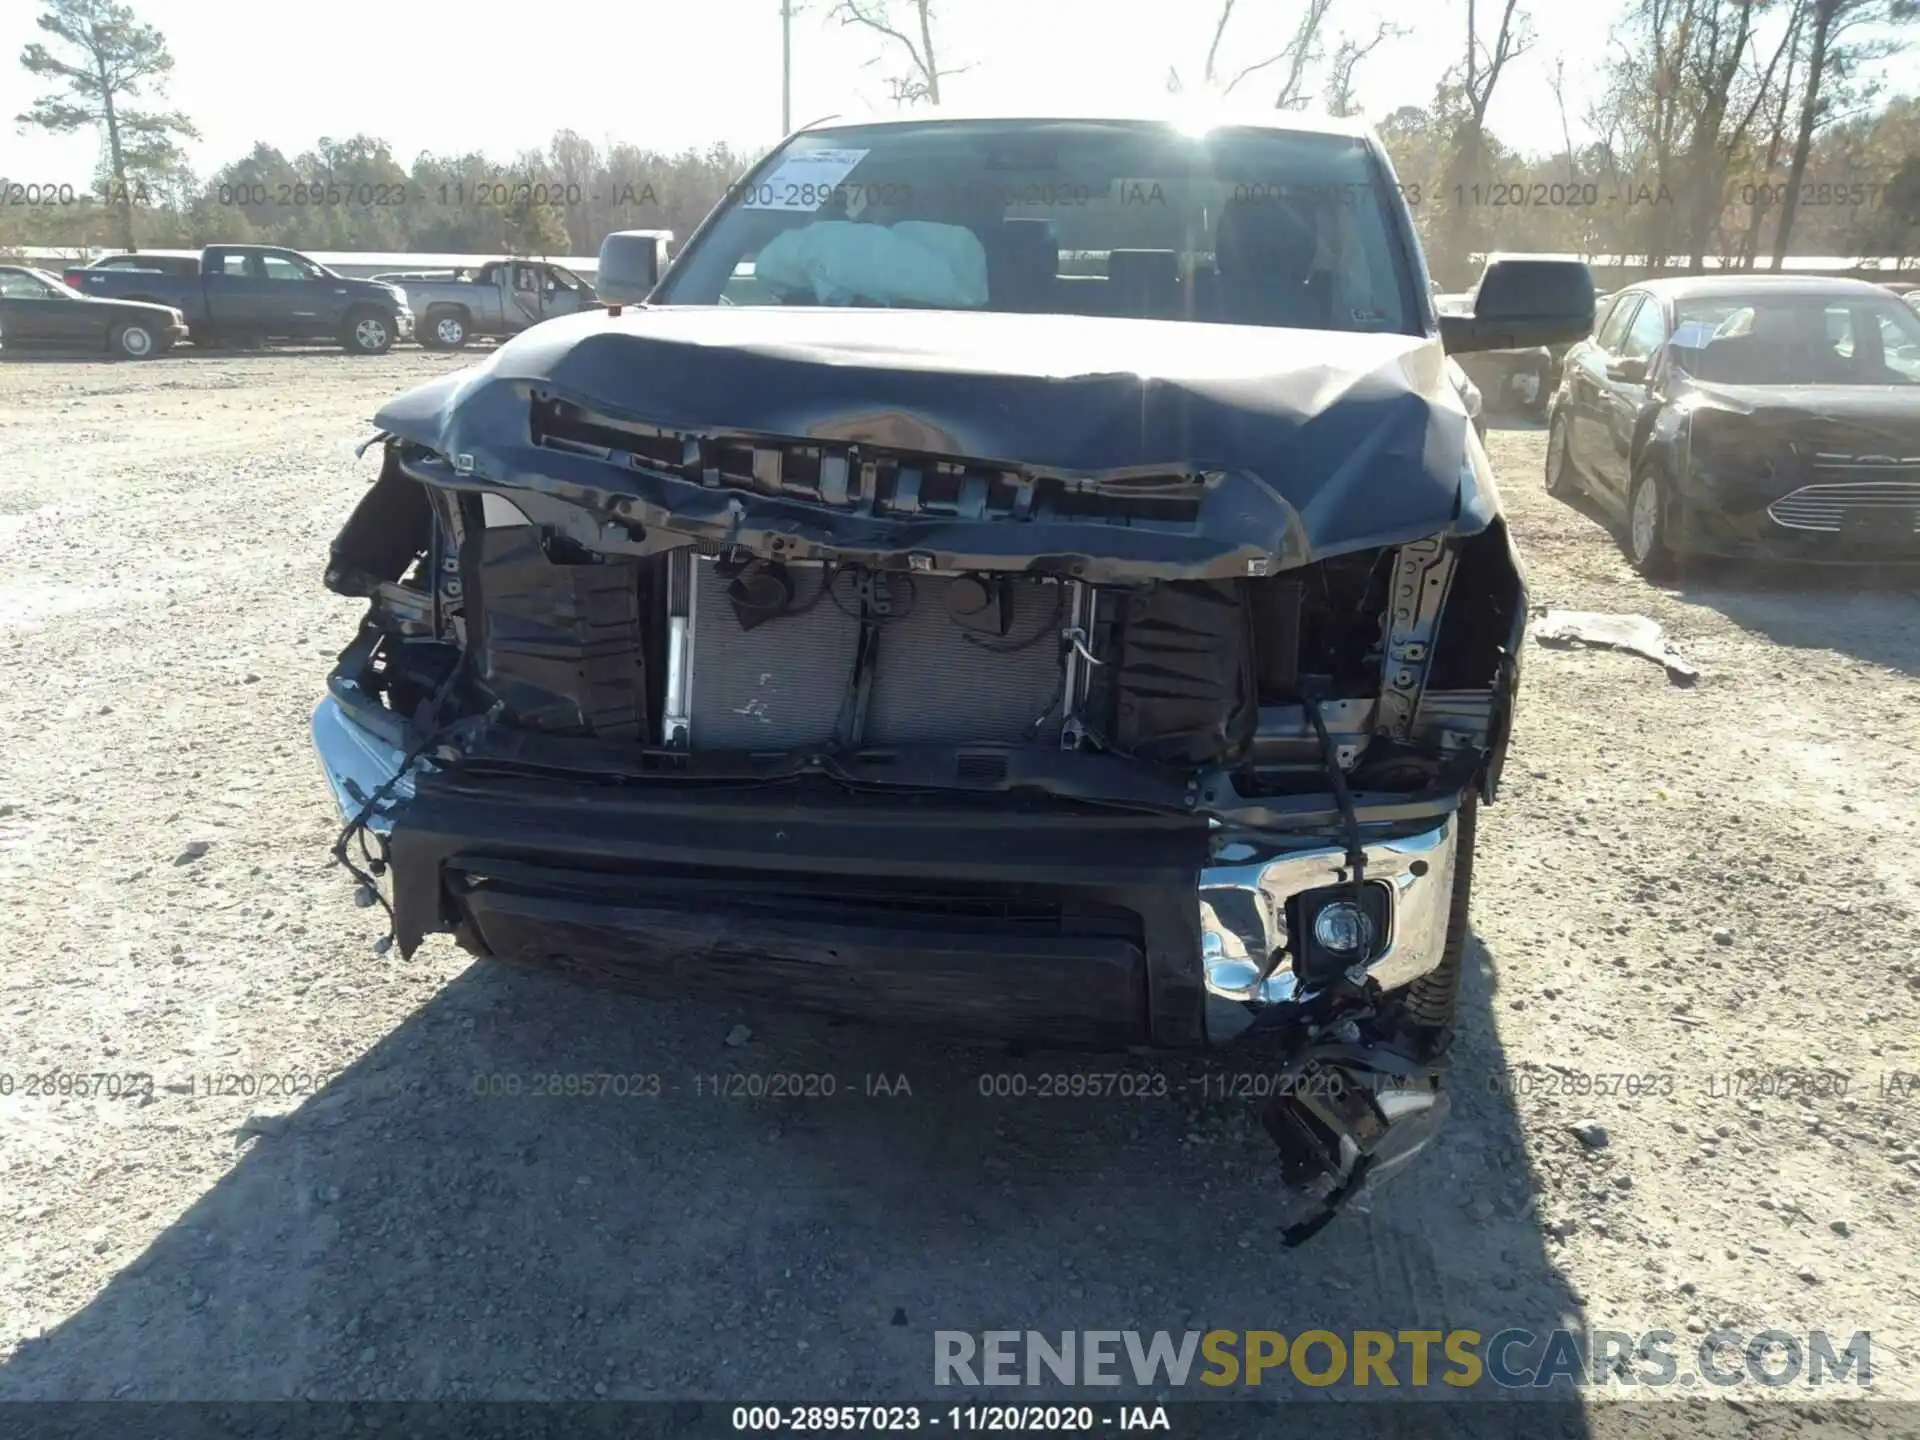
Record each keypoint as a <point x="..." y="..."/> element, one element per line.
<point x="1433" y="999"/>
<point x="1648" y="546"/>
<point x="1562" y="478"/>
<point x="134" y="340"/>
<point x="368" y="332"/>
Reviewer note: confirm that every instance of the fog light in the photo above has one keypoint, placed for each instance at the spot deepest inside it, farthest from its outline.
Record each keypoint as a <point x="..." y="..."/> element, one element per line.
<point x="1342" y="928"/>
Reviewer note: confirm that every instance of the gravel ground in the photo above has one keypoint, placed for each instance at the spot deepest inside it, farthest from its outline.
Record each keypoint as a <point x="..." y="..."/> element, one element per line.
<point x="1677" y="883"/>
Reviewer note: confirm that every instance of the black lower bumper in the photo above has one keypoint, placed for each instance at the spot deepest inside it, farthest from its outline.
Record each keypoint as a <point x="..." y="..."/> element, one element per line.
<point x="1752" y="534"/>
<point x="1044" y="922"/>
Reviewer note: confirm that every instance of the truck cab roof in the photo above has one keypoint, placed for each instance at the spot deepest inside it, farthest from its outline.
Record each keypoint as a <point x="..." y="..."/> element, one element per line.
<point x="1194" y="113"/>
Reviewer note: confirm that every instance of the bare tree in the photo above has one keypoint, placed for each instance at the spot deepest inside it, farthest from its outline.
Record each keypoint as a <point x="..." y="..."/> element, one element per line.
<point x="1219" y="31"/>
<point x="1468" y="98"/>
<point x="107" y="59"/>
<point x="1558" y="86"/>
<point x="1303" y="48"/>
<point x="1302" y="51"/>
<point x="924" y="73"/>
<point x="1833" y="61"/>
<point x="1762" y="194"/>
<point x="1667" y="99"/>
<point x="1721" y="43"/>
<point x="1347" y="55"/>
<point x="1724" y="132"/>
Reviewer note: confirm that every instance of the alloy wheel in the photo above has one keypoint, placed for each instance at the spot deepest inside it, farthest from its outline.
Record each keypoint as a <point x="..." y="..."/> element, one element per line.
<point x="1644" y="523"/>
<point x="1557" y="457"/>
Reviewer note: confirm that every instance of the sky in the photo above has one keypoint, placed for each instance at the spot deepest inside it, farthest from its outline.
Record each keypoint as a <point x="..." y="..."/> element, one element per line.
<point x="444" y="76"/>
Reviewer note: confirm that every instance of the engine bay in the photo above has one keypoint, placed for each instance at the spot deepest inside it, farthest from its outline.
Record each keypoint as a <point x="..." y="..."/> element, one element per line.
<point x="1390" y="664"/>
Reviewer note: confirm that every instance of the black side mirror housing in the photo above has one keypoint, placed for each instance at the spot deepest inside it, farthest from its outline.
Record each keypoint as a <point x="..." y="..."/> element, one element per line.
<point x="1628" y="369"/>
<point x="1521" y="303"/>
<point x="631" y="262"/>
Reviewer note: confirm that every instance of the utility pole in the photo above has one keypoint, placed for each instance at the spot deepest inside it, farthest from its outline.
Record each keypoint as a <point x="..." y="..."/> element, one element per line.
<point x="786" y="67"/>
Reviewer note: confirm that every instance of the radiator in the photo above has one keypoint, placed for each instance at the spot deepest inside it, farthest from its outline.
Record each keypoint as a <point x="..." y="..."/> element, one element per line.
<point x="780" y="685"/>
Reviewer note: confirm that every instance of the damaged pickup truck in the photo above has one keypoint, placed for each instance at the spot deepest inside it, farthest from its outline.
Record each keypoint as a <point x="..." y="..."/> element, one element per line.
<point x="1069" y="603"/>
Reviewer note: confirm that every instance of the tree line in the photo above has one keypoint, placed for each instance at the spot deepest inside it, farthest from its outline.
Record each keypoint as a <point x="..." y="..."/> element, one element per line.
<point x="1741" y="130"/>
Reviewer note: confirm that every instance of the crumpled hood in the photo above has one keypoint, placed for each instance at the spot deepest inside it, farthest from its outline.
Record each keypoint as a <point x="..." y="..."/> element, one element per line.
<point x="1317" y="442"/>
<point x="1892" y="410"/>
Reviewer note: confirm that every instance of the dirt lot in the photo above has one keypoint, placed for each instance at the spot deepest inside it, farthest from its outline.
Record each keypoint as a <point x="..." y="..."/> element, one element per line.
<point x="1677" y="883"/>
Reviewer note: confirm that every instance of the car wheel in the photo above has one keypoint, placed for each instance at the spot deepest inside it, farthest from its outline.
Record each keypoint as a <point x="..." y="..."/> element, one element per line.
<point x="1435" y="996"/>
<point x="368" y="333"/>
<point x="132" y="340"/>
<point x="1563" y="479"/>
<point x="1646" y="532"/>
<point x="446" y="330"/>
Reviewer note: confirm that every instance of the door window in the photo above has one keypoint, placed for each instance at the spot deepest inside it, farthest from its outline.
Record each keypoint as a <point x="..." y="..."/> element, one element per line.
<point x="1610" y="333"/>
<point x="1646" y="333"/>
<point x="1840" y="331"/>
<point x="234" y="264"/>
<point x="279" y="267"/>
<point x="1902" y="350"/>
<point x="1602" y="313"/>
<point x="15" y="286"/>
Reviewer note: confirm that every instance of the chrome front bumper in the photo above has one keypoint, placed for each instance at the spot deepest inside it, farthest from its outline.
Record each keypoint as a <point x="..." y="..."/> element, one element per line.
<point x="1243" y="917"/>
<point x="1243" y="896"/>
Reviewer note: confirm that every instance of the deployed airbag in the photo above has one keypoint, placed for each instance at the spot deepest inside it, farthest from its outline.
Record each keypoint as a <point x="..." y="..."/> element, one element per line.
<point x="915" y="262"/>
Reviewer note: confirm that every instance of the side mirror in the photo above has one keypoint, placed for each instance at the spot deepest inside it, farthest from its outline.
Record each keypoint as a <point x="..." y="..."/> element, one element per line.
<point x="1629" y="370"/>
<point x="630" y="266"/>
<point x="1520" y="304"/>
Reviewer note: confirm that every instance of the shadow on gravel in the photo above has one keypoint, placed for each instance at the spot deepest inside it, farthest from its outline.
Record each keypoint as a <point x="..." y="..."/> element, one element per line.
<point x="1872" y="614"/>
<point x="405" y="1237"/>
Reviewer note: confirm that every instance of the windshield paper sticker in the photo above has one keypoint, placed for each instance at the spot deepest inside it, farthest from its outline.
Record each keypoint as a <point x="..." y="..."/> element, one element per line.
<point x="803" y="182"/>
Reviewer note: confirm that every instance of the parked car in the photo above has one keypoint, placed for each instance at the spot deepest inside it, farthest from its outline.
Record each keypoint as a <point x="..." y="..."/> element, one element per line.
<point x="263" y="292"/>
<point x="1747" y="415"/>
<point x="499" y="298"/>
<point x="1103" y="654"/>
<point x="40" y="311"/>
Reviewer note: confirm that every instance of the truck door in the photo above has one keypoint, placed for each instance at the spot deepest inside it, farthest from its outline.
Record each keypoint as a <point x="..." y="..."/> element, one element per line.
<point x="562" y="292"/>
<point x="296" y="295"/>
<point x="234" y="285"/>
<point x="522" y="299"/>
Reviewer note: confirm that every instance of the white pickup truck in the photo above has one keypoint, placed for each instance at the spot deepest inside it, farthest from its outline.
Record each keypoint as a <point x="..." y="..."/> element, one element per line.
<point x="500" y="298"/>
